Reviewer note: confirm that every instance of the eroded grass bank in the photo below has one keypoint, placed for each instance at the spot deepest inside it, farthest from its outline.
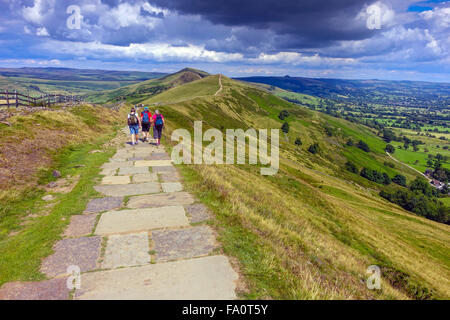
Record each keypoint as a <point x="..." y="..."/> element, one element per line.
<point x="40" y="143"/>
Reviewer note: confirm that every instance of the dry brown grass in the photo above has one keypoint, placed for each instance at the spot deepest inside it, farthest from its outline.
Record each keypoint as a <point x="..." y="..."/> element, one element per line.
<point x="32" y="141"/>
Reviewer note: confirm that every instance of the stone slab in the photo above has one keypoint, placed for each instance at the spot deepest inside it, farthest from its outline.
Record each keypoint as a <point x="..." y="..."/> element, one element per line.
<point x="183" y="243"/>
<point x="126" y="251"/>
<point x="159" y="156"/>
<point x="160" y="200"/>
<point x="117" y="165"/>
<point x="81" y="225"/>
<point x="164" y="169"/>
<point x="108" y="172"/>
<point x="81" y="252"/>
<point x="145" y="177"/>
<point x="133" y="170"/>
<point x="153" y="163"/>
<point x="131" y="189"/>
<point x="197" y="212"/>
<point x="169" y="176"/>
<point x="171" y="186"/>
<point x="113" y="180"/>
<point x="208" y="278"/>
<point x="115" y="222"/>
<point x="104" y="204"/>
<point x="54" y="289"/>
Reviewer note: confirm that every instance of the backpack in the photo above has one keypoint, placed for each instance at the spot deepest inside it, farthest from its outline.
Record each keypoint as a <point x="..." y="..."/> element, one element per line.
<point x="159" y="120"/>
<point x="146" y="117"/>
<point x="133" y="120"/>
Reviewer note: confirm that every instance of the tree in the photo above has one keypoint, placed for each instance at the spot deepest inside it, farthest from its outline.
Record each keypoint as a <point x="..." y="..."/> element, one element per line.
<point x="363" y="146"/>
<point x="283" y="114"/>
<point x="421" y="184"/>
<point x="386" y="179"/>
<point x="285" y="127"/>
<point x="388" y="135"/>
<point x="349" y="142"/>
<point x="350" y="166"/>
<point x="298" y="142"/>
<point x="389" y="148"/>
<point x="400" y="180"/>
<point x="314" y="148"/>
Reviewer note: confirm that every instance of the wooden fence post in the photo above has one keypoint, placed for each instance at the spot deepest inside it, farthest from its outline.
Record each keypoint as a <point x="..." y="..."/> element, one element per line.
<point x="7" y="99"/>
<point x="17" y="99"/>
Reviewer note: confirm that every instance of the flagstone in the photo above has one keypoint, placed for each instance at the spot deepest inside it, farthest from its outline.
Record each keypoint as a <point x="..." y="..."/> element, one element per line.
<point x="133" y="170"/>
<point x="141" y="220"/>
<point x="207" y="278"/>
<point x="183" y="243"/>
<point x="112" y="180"/>
<point x="164" y="169"/>
<point x="169" y="176"/>
<point x="145" y="177"/>
<point x="81" y="225"/>
<point x="131" y="189"/>
<point x="171" y="186"/>
<point x="104" y="204"/>
<point x="53" y="289"/>
<point x="153" y="163"/>
<point x="197" y="212"/>
<point x="126" y="251"/>
<point x="81" y="252"/>
<point x="159" y="156"/>
<point x="117" y="165"/>
<point x="160" y="200"/>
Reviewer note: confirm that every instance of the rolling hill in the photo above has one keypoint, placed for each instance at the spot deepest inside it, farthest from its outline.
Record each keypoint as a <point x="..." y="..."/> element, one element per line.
<point x="136" y="92"/>
<point x="400" y="93"/>
<point x="39" y="81"/>
<point x="312" y="230"/>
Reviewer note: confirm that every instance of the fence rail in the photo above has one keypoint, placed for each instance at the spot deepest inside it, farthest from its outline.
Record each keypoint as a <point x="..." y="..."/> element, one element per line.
<point x="16" y="99"/>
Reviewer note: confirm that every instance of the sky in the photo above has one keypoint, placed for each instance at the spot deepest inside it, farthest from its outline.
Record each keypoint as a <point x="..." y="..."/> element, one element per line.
<point x="351" y="39"/>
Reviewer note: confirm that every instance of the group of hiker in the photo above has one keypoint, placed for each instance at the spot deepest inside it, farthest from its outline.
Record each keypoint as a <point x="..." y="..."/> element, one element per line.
<point x="145" y="120"/>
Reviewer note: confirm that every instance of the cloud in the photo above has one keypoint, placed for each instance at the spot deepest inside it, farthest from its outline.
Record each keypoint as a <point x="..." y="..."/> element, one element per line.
<point x="254" y="35"/>
<point x="42" y="32"/>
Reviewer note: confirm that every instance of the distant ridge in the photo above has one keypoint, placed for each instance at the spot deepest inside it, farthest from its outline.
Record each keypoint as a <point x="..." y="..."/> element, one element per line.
<point x="403" y="93"/>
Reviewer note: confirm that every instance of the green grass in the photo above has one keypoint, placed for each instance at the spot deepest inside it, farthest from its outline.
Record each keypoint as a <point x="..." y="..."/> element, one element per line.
<point x="20" y="255"/>
<point x="313" y="228"/>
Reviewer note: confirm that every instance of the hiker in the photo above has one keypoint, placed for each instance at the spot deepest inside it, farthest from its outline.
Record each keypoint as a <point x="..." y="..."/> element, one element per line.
<point x="146" y="119"/>
<point x="158" y="125"/>
<point x="134" y="123"/>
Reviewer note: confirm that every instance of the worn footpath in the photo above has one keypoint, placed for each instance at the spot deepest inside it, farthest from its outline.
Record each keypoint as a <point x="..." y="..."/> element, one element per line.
<point x="146" y="238"/>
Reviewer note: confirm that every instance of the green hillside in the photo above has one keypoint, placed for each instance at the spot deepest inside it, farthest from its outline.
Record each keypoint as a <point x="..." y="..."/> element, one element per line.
<point x="136" y="92"/>
<point x="39" y="81"/>
<point x="312" y="230"/>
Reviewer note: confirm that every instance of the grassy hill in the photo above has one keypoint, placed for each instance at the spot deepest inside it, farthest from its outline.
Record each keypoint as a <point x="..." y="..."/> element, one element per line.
<point x="312" y="230"/>
<point x="136" y="92"/>
<point x="39" y="81"/>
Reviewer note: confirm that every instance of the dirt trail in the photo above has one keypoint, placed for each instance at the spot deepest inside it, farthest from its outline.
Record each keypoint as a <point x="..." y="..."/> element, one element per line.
<point x="220" y="85"/>
<point x="407" y="166"/>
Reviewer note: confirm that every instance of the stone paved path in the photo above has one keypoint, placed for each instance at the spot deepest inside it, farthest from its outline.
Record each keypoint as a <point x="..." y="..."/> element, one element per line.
<point x="138" y="241"/>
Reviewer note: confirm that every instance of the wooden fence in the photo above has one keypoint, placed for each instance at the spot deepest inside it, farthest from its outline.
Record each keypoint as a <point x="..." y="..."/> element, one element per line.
<point x="15" y="99"/>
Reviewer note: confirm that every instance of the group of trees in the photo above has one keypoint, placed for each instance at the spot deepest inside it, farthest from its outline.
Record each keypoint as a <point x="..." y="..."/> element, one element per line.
<point x="375" y="176"/>
<point x="421" y="199"/>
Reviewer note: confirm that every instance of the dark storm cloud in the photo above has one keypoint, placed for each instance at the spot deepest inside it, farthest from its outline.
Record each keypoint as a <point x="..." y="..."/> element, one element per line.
<point x="313" y="23"/>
